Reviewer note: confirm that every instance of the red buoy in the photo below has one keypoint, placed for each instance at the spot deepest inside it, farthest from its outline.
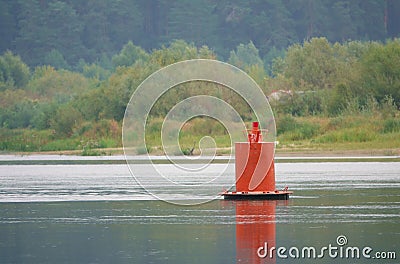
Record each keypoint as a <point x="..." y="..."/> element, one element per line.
<point x="255" y="169"/>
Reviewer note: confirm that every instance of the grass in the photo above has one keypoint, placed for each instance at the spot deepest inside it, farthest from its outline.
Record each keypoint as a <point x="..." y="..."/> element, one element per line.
<point x="345" y="133"/>
<point x="30" y="140"/>
<point x="367" y="132"/>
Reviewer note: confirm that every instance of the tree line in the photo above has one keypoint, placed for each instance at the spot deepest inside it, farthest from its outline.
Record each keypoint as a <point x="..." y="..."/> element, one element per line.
<point x="321" y="79"/>
<point x="68" y="33"/>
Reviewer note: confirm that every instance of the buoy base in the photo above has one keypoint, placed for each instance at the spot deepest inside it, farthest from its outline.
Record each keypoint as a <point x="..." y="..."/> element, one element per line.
<point x="272" y="195"/>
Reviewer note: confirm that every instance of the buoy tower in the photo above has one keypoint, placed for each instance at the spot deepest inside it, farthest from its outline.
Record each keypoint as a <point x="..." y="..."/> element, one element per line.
<point x="255" y="169"/>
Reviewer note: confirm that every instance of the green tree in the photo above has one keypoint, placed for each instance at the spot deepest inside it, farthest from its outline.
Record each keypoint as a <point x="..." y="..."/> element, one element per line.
<point x="46" y="26"/>
<point x="311" y="66"/>
<point x="178" y="50"/>
<point x="14" y="73"/>
<point x="155" y="15"/>
<point x="310" y="17"/>
<point x="245" y="56"/>
<point x="107" y="25"/>
<point x="115" y="94"/>
<point x="272" y="55"/>
<point x="92" y="104"/>
<point x="43" y="115"/>
<point x="193" y="21"/>
<point x="95" y="71"/>
<point x="129" y="55"/>
<point x="31" y="33"/>
<point x="64" y="28"/>
<point x="393" y="19"/>
<point x="55" y="59"/>
<point x="65" y="120"/>
<point x="95" y="36"/>
<point x="381" y="70"/>
<point x="125" y="22"/>
<point x="233" y="25"/>
<point x="338" y="99"/>
<point x="371" y="19"/>
<point x="8" y="23"/>
<point x="271" y="23"/>
<point x="47" y="82"/>
<point x="18" y="115"/>
<point x="342" y="27"/>
<point x="87" y="29"/>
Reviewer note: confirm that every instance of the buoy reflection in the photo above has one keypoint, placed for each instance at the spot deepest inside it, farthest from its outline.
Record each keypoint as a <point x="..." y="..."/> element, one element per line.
<point x="255" y="227"/>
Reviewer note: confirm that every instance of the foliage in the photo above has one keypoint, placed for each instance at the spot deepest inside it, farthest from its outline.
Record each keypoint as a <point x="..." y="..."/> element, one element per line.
<point x="327" y="91"/>
<point x="88" y="30"/>
<point x="43" y="27"/>
<point x="129" y="55"/>
<point x="199" y="19"/>
<point x="65" y="120"/>
<point x="182" y="91"/>
<point x="18" y="116"/>
<point x="89" y="149"/>
<point x="381" y="70"/>
<point x="56" y="59"/>
<point x="291" y="129"/>
<point x="179" y="50"/>
<point x="23" y="140"/>
<point x="245" y="56"/>
<point x="311" y="65"/>
<point x="14" y="73"/>
<point x="47" y="82"/>
<point x="391" y="125"/>
<point x="339" y="99"/>
<point x="95" y="71"/>
<point x="88" y="57"/>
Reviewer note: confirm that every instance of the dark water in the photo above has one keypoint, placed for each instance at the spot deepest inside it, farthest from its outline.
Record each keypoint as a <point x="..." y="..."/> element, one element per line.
<point x="98" y="214"/>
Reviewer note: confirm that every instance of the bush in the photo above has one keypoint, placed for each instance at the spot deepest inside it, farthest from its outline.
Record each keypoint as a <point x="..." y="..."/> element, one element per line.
<point x="291" y="129"/>
<point x="391" y="125"/>
<point x="284" y="124"/>
<point x="348" y="135"/>
<point x="65" y="120"/>
<point x="13" y="71"/>
<point x="380" y="70"/>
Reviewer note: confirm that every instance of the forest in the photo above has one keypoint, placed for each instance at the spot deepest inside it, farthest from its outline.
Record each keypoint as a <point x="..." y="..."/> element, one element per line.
<point x="66" y="33"/>
<point x="68" y="69"/>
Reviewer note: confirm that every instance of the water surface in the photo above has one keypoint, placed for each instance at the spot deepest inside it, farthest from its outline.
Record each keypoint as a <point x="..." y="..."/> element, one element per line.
<point x="98" y="214"/>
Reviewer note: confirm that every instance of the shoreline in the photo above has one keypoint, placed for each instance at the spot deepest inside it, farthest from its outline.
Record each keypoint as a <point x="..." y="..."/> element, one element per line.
<point x="117" y="157"/>
<point x="110" y="152"/>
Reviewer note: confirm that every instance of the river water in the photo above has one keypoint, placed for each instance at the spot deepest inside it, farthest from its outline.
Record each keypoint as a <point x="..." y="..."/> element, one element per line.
<point x="340" y="212"/>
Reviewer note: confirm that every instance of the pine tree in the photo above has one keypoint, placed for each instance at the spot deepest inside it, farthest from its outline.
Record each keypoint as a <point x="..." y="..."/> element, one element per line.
<point x="193" y="21"/>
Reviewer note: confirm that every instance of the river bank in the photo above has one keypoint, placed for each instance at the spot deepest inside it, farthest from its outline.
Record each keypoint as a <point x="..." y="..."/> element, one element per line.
<point x="53" y="158"/>
<point x="328" y="151"/>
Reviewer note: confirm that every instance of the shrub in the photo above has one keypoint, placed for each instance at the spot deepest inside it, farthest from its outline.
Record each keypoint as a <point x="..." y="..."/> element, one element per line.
<point x="291" y="129"/>
<point x="391" y="125"/>
<point x="348" y="135"/>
